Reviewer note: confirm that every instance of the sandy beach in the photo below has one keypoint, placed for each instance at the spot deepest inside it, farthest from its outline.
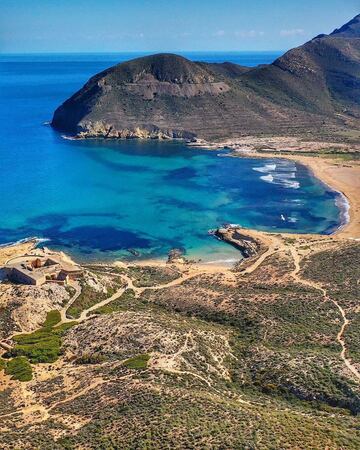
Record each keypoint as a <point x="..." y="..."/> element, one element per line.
<point x="343" y="177"/>
<point x="339" y="175"/>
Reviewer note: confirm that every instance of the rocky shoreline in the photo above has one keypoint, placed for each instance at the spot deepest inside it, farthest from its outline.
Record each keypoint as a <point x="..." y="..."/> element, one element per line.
<point x="99" y="129"/>
<point x="236" y="236"/>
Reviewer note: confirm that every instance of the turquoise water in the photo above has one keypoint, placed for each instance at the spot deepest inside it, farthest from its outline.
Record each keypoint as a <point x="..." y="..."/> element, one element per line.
<point x="97" y="199"/>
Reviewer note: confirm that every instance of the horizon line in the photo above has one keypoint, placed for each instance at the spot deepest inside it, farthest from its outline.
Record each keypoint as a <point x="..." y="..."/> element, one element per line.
<point x="138" y="51"/>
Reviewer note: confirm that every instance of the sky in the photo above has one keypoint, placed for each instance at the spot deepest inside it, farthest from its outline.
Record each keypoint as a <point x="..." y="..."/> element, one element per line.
<point x="30" y="26"/>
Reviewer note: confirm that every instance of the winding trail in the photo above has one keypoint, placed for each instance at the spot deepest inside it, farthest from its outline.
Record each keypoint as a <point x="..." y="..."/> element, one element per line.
<point x="129" y="285"/>
<point x="275" y="247"/>
<point x="340" y="336"/>
<point x="33" y="412"/>
<point x="270" y="251"/>
<point x="85" y="312"/>
<point x="180" y="280"/>
<point x="77" y="287"/>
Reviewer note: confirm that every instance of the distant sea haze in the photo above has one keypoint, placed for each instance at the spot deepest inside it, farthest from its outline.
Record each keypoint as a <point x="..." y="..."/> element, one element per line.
<point x="100" y="200"/>
<point x="249" y="59"/>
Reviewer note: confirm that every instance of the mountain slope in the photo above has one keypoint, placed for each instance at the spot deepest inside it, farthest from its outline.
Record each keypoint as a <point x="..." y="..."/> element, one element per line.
<point x="350" y="29"/>
<point x="313" y="88"/>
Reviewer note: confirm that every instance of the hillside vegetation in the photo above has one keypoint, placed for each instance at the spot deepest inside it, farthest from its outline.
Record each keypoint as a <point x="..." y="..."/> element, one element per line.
<point x="182" y="358"/>
<point x="310" y="91"/>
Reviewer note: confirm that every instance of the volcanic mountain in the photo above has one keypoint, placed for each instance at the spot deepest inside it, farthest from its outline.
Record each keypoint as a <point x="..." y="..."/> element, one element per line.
<point x="313" y="88"/>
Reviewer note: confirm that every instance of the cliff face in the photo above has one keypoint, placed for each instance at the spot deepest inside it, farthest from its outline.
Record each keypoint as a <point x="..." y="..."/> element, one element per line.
<point x="314" y="87"/>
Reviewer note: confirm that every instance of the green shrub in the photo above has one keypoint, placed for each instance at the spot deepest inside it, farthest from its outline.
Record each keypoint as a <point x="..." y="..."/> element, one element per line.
<point x="145" y="276"/>
<point x="138" y="362"/>
<point x="120" y="304"/>
<point x="91" y="358"/>
<point x="43" y="345"/>
<point x="19" y="368"/>
<point x="88" y="298"/>
<point x="60" y="329"/>
<point x="53" y="317"/>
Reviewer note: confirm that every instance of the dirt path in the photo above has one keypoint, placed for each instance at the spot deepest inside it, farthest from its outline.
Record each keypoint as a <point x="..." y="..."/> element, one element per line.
<point x="271" y="250"/>
<point x="129" y="285"/>
<point x="35" y="412"/>
<point x="118" y="293"/>
<point x="94" y="384"/>
<point x="340" y="336"/>
<point x="139" y="290"/>
<point x="63" y="311"/>
<point x="275" y="245"/>
<point x="278" y="247"/>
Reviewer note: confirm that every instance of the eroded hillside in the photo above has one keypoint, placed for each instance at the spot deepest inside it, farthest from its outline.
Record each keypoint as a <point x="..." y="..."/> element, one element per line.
<point x="262" y="356"/>
<point x="312" y="90"/>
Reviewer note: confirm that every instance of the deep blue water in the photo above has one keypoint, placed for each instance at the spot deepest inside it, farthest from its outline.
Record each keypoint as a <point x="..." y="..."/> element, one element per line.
<point x="96" y="199"/>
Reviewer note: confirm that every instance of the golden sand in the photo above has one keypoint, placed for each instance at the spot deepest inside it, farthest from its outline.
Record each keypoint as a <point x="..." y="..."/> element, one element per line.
<point x="341" y="176"/>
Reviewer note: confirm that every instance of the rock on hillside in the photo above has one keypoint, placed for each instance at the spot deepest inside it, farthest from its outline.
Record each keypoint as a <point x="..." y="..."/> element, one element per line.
<point x="174" y="346"/>
<point x="23" y="308"/>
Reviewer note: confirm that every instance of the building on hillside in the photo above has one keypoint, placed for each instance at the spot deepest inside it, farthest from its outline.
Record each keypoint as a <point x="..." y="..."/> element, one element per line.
<point x="37" y="270"/>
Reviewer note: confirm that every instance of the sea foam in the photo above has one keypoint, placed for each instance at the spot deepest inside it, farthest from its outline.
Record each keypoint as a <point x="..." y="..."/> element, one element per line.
<point x="268" y="178"/>
<point x="343" y="204"/>
<point x="266" y="168"/>
<point x="282" y="174"/>
<point x="24" y="241"/>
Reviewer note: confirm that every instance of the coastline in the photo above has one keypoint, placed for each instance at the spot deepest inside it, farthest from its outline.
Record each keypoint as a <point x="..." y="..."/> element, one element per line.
<point x="8" y="251"/>
<point x="345" y="179"/>
<point x="341" y="177"/>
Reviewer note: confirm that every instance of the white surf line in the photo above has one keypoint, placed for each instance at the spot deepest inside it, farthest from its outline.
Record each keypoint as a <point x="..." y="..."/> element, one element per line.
<point x="343" y="204"/>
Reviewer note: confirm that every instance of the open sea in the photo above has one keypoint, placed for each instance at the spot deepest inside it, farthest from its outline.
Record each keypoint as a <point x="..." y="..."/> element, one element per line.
<point x="98" y="199"/>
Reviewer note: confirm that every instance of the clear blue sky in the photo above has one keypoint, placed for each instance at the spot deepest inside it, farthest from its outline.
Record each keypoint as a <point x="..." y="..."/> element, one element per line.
<point x="166" y="25"/>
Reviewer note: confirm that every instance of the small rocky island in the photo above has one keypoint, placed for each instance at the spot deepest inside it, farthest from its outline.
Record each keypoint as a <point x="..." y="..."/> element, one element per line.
<point x="168" y="96"/>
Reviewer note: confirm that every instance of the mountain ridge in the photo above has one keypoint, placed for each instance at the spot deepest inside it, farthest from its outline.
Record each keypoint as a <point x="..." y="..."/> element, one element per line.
<point x="351" y="28"/>
<point x="313" y="88"/>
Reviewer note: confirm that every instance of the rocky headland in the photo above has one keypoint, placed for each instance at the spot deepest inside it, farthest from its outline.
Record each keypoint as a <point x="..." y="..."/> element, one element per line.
<point x="311" y="90"/>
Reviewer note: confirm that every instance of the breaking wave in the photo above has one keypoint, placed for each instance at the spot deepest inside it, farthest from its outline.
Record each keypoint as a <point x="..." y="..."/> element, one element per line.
<point x="343" y="204"/>
<point x="292" y="219"/>
<point x="266" y="168"/>
<point x="24" y="241"/>
<point x="282" y="174"/>
<point x="268" y="178"/>
<point x="69" y="138"/>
